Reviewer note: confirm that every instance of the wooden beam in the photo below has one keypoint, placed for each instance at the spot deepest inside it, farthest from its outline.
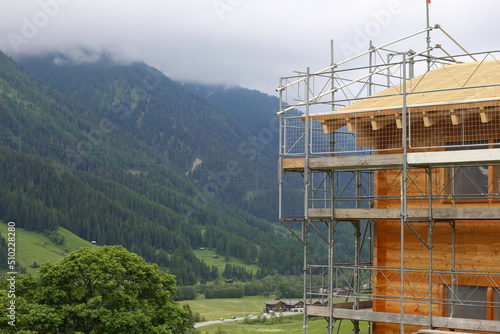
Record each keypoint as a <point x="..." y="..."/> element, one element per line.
<point x="456" y="119"/>
<point x="380" y="122"/>
<point x="485" y="118"/>
<point x="350" y="125"/>
<point x="332" y="125"/>
<point x="394" y="214"/>
<point x="429" y="121"/>
<point x="408" y="319"/>
<point x="292" y="163"/>
<point x="399" y="121"/>
<point x="488" y="114"/>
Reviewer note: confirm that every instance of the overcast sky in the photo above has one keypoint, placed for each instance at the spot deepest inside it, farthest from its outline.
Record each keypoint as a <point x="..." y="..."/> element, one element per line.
<point x="250" y="43"/>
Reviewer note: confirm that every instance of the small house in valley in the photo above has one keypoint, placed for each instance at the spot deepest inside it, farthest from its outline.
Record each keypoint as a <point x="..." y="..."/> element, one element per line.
<point x="293" y="304"/>
<point x="275" y="306"/>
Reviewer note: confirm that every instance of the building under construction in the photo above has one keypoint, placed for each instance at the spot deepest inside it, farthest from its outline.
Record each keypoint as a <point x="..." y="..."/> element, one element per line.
<point x="404" y="146"/>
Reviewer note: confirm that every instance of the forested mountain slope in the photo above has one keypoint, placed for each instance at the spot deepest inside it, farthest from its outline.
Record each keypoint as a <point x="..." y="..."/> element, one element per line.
<point x="108" y="174"/>
<point x="195" y="136"/>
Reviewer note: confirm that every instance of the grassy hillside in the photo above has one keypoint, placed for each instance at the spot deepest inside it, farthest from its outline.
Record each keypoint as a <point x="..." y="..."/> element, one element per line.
<point x="207" y="257"/>
<point x="114" y="170"/>
<point x="34" y="247"/>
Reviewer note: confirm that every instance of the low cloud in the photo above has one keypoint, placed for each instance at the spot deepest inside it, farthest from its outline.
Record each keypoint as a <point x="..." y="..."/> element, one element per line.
<point x="250" y="43"/>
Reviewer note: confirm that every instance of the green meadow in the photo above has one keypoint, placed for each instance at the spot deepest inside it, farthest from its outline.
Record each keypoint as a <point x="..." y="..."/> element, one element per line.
<point x="207" y="256"/>
<point x="289" y="324"/>
<point x="34" y="247"/>
<point x="214" y="309"/>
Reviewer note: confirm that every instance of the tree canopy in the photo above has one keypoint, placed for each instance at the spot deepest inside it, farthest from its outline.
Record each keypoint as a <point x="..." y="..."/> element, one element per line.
<point x="101" y="290"/>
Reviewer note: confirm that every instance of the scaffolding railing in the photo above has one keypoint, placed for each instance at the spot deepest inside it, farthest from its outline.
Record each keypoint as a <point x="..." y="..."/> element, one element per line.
<point x="453" y="293"/>
<point x="438" y="126"/>
<point x="450" y="186"/>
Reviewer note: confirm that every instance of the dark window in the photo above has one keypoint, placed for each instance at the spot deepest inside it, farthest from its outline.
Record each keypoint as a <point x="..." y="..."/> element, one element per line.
<point x="469" y="182"/>
<point x="469" y="302"/>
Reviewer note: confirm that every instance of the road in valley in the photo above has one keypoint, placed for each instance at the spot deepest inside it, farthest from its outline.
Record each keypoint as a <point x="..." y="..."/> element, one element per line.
<point x="213" y="322"/>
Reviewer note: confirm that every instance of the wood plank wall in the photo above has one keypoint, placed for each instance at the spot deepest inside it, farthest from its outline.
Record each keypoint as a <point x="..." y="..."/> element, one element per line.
<point x="477" y="242"/>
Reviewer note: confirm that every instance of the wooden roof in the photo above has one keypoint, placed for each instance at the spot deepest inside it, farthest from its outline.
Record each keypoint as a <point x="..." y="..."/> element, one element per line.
<point x="274" y="302"/>
<point x="448" y="84"/>
<point x="441" y="92"/>
<point x="290" y="302"/>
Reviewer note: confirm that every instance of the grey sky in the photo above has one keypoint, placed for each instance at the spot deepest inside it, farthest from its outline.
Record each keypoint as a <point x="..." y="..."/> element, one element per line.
<point x="250" y="43"/>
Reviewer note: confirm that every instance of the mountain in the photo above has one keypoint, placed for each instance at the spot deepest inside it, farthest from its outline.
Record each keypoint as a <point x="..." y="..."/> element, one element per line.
<point x="257" y="111"/>
<point x="161" y="173"/>
<point x="212" y="140"/>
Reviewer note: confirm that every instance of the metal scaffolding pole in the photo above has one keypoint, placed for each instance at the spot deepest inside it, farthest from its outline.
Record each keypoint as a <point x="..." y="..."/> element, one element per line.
<point x="453" y="274"/>
<point x="428" y="37"/>
<point x="280" y="162"/>
<point x="357" y="248"/>
<point x="331" y="225"/>
<point x="429" y="242"/>
<point x="370" y="83"/>
<point x="305" y="221"/>
<point x="357" y="262"/>
<point x="304" y="238"/>
<point x="404" y="194"/>
<point x="331" y="262"/>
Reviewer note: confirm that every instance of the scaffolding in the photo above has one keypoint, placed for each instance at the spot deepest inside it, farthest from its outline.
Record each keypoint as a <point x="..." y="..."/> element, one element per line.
<point x="366" y="142"/>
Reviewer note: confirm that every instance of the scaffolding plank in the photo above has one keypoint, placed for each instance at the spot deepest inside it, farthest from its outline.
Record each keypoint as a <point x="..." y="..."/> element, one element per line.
<point x="470" y="157"/>
<point x="357" y="161"/>
<point x="437" y="158"/>
<point x="292" y="164"/>
<point x="346" y="162"/>
<point x="466" y="324"/>
<point x="354" y="214"/>
<point x="412" y="320"/>
<point x="363" y="304"/>
<point x="467" y="214"/>
<point x="438" y="214"/>
<point x="433" y="331"/>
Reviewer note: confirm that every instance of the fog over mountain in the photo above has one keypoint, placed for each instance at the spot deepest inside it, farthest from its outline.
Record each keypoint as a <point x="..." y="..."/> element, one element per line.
<point x="234" y="42"/>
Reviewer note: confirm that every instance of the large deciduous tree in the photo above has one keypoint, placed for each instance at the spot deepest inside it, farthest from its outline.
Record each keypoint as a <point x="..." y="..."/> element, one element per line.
<point x="101" y="290"/>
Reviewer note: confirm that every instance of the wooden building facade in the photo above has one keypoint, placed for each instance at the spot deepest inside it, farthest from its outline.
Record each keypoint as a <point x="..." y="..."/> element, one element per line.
<point x="424" y="158"/>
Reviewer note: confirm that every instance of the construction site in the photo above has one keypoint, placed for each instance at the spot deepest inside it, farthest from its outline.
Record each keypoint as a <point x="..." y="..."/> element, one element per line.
<point x="404" y="145"/>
